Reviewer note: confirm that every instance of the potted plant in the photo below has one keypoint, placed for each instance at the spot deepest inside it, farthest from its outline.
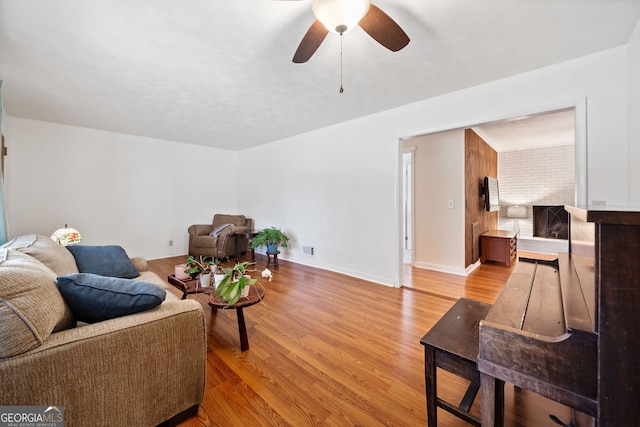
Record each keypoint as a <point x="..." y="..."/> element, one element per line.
<point x="271" y="237"/>
<point x="218" y="272"/>
<point x="236" y="282"/>
<point x="202" y="267"/>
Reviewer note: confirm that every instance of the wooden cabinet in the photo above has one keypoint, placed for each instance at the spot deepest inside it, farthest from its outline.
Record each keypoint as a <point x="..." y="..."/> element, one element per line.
<point x="498" y="245"/>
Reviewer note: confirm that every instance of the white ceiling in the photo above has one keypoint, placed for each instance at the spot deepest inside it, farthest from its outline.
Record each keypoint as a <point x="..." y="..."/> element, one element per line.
<point x="219" y="72"/>
<point x="550" y="129"/>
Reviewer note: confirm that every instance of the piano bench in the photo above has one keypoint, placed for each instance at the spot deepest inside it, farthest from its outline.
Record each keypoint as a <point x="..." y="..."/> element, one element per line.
<point x="452" y="344"/>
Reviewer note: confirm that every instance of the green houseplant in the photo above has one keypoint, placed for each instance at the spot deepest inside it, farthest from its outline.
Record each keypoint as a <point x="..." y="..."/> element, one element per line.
<point x="271" y="237"/>
<point x="234" y="282"/>
<point x="203" y="267"/>
<point x="198" y="265"/>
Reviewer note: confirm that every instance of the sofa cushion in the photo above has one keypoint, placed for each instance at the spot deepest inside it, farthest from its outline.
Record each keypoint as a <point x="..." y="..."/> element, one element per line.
<point x="45" y="250"/>
<point x="110" y="261"/>
<point x="31" y="306"/>
<point x="94" y="298"/>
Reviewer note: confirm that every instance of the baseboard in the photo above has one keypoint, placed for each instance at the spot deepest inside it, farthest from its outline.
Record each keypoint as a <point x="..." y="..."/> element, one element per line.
<point x="442" y="268"/>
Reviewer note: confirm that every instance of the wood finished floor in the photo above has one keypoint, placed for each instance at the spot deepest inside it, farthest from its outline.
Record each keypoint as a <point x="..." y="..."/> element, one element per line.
<point x="331" y="350"/>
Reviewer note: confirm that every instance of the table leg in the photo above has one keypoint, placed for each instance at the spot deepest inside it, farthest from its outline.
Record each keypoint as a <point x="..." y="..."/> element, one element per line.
<point x="242" y="328"/>
<point x="430" y="385"/>
<point x="275" y="258"/>
<point x="499" y="405"/>
<point x="184" y="291"/>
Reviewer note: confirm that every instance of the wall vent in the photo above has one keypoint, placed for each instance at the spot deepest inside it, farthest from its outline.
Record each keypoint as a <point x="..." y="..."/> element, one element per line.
<point x="308" y="250"/>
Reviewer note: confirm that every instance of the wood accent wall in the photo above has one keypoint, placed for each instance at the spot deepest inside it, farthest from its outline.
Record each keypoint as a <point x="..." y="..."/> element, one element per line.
<point x="480" y="160"/>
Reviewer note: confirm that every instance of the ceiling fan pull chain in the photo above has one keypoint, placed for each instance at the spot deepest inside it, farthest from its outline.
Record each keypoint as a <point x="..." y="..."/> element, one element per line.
<point x="341" y="89"/>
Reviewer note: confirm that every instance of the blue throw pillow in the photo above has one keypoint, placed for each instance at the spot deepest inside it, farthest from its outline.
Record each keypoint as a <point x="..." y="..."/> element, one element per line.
<point x="110" y="261"/>
<point x="94" y="298"/>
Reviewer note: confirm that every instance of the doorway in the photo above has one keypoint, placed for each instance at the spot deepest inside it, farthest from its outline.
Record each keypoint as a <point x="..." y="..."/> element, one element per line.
<point x="407" y="205"/>
<point x="578" y="108"/>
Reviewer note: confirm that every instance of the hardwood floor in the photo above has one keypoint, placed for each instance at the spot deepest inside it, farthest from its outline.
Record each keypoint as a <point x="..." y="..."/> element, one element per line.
<point x="332" y="350"/>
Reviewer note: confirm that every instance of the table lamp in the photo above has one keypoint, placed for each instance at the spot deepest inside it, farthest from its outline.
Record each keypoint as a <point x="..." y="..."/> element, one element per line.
<point x="516" y="212"/>
<point x="66" y="236"/>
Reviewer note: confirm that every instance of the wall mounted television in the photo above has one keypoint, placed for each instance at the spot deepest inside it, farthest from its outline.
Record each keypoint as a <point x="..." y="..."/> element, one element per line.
<point x="490" y="193"/>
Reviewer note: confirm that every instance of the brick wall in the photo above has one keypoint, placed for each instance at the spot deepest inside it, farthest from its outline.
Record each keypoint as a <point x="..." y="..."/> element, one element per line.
<point x="541" y="176"/>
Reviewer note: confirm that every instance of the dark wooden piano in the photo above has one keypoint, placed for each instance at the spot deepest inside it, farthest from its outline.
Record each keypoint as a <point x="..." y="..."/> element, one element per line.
<point x="570" y="330"/>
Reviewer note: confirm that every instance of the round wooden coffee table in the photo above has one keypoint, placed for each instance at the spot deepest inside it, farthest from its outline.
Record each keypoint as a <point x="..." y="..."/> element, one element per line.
<point x="256" y="294"/>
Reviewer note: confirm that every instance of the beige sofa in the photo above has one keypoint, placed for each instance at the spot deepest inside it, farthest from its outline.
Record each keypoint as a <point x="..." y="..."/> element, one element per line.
<point x="218" y="239"/>
<point x="142" y="369"/>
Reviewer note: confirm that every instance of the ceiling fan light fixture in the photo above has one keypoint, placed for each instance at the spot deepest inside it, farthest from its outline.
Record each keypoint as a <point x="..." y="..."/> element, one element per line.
<point x="340" y="16"/>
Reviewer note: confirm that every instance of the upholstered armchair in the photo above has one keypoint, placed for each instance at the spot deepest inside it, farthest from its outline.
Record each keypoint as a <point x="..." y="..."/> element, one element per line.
<point x="217" y="239"/>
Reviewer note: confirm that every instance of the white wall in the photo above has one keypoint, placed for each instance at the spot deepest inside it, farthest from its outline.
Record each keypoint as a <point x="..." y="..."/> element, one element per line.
<point x="3" y="119"/>
<point x="333" y="189"/>
<point x="541" y="176"/>
<point x="439" y="177"/>
<point x="338" y="188"/>
<point x="4" y="130"/>
<point x="114" y="188"/>
<point x="634" y="117"/>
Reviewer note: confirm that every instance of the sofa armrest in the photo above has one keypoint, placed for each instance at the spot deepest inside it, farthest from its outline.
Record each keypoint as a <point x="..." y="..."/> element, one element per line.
<point x="140" y="369"/>
<point x="140" y="264"/>
<point x="240" y="229"/>
<point x="230" y="233"/>
<point x="225" y="235"/>
<point x="200" y="229"/>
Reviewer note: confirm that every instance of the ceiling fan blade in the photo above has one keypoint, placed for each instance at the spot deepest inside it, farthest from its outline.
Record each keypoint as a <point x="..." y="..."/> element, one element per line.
<point x="384" y="30"/>
<point x="310" y="42"/>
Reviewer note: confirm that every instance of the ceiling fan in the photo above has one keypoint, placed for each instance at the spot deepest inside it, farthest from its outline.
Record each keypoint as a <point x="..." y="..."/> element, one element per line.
<point x="340" y="17"/>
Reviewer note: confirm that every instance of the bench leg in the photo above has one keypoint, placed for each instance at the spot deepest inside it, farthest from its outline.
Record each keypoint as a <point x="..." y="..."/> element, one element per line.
<point x="430" y="385"/>
<point x="469" y="396"/>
